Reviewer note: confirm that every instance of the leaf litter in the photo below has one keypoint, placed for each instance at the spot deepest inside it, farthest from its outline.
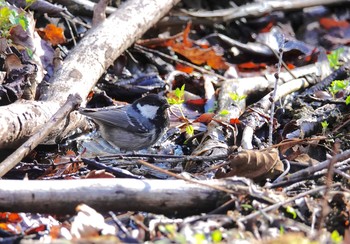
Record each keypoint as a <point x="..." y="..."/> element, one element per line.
<point x="218" y="72"/>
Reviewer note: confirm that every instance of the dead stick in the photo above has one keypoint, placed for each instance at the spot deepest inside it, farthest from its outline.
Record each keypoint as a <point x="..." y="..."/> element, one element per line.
<point x="219" y="188"/>
<point x="33" y="141"/>
<point x="157" y="196"/>
<point x="312" y="169"/>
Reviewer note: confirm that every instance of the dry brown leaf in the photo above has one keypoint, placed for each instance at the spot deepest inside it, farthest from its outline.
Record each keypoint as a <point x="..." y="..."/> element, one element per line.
<point x="253" y="164"/>
<point x="10" y="217"/>
<point x="200" y="56"/>
<point x="53" y="34"/>
<point x="13" y="62"/>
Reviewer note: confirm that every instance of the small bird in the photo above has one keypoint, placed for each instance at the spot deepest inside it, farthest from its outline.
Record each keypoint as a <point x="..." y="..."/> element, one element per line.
<point x="135" y="126"/>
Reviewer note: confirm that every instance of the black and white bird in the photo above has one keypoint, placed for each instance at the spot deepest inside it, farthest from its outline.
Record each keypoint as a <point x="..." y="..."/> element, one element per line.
<point x="135" y="126"/>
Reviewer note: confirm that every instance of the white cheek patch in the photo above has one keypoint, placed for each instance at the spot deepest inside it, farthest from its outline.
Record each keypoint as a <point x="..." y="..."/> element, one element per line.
<point x="148" y="111"/>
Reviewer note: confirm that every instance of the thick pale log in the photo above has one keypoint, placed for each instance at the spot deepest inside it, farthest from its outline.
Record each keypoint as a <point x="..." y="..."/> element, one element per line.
<point x="157" y="196"/>
<point x="20" y="120"/>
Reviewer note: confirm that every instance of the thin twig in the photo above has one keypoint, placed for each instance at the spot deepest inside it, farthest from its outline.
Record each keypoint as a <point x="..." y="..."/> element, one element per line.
<point x="274" y="94"/>
<point x="168" y="158"/>
<point x="120" y="173"/>
<point x="183" y="178"/>
<point x="329" y="180"/>
<point x="322" y="165"/>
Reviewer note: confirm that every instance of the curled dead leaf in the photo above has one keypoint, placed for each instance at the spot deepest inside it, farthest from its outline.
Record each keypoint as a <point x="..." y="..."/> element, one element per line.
<point x="52" y="34"/>
<point x="253" y="164"/>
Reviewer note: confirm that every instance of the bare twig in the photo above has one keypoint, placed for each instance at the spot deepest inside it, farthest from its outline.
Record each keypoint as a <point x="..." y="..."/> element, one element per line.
<point x="322" y="165"/>
<point x="259" y="9"/>
<point x="274" y="93"/>
<point x="329" y="180"/>
<point x="219" y="188"/>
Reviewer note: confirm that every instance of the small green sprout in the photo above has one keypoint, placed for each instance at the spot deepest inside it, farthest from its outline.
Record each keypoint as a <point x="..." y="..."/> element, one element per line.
<point x="337" y="86"/>
<point x="179" y="96"/>
<point x="336" y="237"/>
<point x="179" y="100"/>
<point x="281" y="230"/>
<point x="236" y="97"/>
<point x="216" y="236"/>
<point x="347" y="100"/>
<point x="189" y="130"/>
<point x="10" y="18"/>
<point x="224" y="112"/>
<point x="29" y="3"/>
<point x="324" y="125"/>
<point x="291" y="211"/>
<point x="247" y="207"/>
<point x="333" y="58"/>
<point x="199" y="238"/>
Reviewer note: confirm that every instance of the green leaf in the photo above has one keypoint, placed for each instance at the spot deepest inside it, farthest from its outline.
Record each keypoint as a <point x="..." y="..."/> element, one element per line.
<point x="291" y="210"/>
<point x="281" y="230"/>
<point x="336" y="237"/>
<point x="224" y="112"/>
<point x="347" y="100"/>
<point x="22" y="21"/>
<point x="30" y="2"/>
<point x="246" y="206"/>
<point x="334" y="56"/>
<point x="324" y="125"/>
<point x="236" y="98"/>
<point x="216" y="236"/>
<point x="29" y="52"/>
<point x="13" y="17"/>
<point x="175" y="101"/>
<point x="5" y="13"/>
<point x="337" y="86"/>
<point x="171" y="228"/>
<point x="200" y="238"/>
<point x="189" y="130"/>
<point x="179" y="93"/>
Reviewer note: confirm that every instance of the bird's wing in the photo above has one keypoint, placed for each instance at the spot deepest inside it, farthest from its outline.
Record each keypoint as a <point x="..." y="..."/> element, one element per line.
<point x="116" y="117"/>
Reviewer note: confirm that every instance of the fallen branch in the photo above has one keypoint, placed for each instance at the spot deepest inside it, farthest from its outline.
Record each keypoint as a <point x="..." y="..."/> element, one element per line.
<point x="258" y="9"/>
<point x="157" y="196"/>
